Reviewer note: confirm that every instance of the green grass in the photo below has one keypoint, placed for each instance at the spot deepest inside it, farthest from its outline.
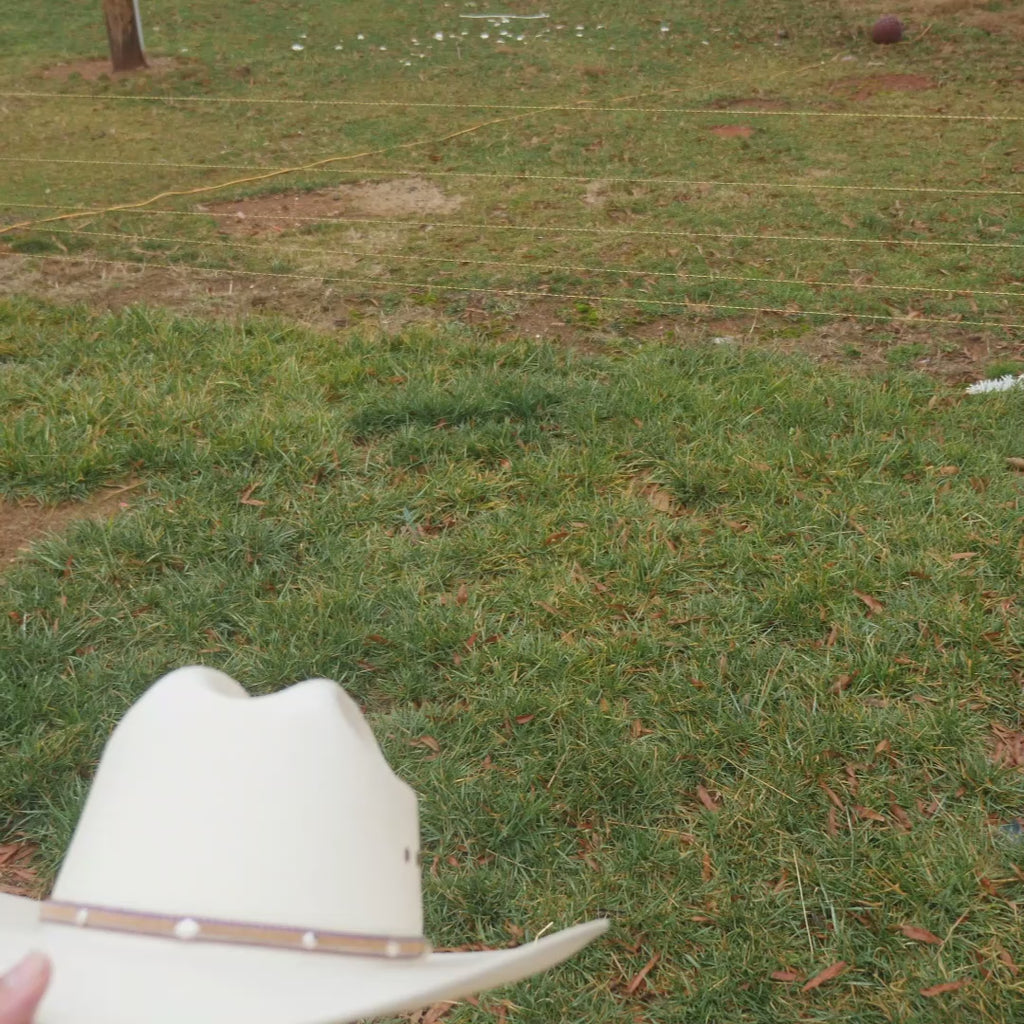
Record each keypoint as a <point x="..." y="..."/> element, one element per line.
<point x="603" y="583"/>
<point x="653" y="244"/>
<point x="599" y="583"/>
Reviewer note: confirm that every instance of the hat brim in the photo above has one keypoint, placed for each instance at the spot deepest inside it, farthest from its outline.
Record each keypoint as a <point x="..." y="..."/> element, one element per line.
<point x="115" y="978"/>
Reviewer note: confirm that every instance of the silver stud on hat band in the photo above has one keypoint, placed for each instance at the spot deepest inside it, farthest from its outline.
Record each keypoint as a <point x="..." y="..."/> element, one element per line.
<point x="187" y="928"/>
<point x="202" y="929"/>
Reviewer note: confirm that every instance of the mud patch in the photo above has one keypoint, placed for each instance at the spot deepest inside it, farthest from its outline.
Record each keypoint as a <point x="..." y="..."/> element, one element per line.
<point x="94" y="70"/>
<point x="732" y="131"/>
<point x="24" y="522"/>
<point x="288" y="211"/>
<point x="863" y="87"/>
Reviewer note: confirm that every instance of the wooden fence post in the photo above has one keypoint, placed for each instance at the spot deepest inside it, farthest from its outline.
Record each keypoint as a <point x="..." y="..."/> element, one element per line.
<point x="124" y="34"/>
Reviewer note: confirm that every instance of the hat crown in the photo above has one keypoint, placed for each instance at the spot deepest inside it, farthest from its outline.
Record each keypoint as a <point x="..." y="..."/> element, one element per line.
<point x="279" y="810"/>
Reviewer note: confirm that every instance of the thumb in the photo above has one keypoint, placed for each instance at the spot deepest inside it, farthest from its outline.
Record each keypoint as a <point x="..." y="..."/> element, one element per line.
<point x="22" y="987"/>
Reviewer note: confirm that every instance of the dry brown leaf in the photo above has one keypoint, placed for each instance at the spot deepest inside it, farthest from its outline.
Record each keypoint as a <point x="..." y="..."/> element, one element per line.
<point x="874" y="605"/>
<point x="901" y="817"/>
<point x="991" y="887"/>
<point x="785" y="976"/>
<point x="661" y="499"/>
<point x="837" y="803"/>
<point x="16" y="852"/>
<point x="245" y="498"/>
<point x="707" y="872"/>
<point x="1015" y="463"/>
<point x="961" y="555"/>
<point x="830" y="972"/>
<point x="946" y="986"/>
<point x="432" y="1014"/>
<point x="638" y="979"/>
<point x="1006" y="960"/>
<point x="920" y="934"/>
<point x="842" y="682"/>
<point x="867" y="814"/>
<point x="462" y="594"/>
<point x="707" y="799"/>
<point x="429" y="742"/>
<point x="1007" y="746"/>
<point x="833" y="822"/>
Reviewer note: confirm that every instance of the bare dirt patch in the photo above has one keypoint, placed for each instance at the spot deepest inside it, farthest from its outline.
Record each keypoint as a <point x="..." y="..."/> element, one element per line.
<point x="24" y="522"/>
<point x="751" y="103"/>
<point x="186" y="290"/>
<point x="949" y="353"/>
<point x="732" y="131"/>
<point x="545" y="321"/>
<point x="1008" y="22"/>
<point x="288" y="211"/>
<point x="862" y="87"/>
<point x="94" y="70"/>
<point x="954" y="355"/>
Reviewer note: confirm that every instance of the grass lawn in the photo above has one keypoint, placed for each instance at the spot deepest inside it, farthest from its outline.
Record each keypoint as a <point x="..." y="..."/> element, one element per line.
<point x="718" y="643"/>
<point x="608" y="442"/>
<point x="739" y="157"/>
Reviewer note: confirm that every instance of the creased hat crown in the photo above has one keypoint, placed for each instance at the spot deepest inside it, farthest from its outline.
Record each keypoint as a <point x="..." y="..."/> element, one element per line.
<point x="278" y="809"/>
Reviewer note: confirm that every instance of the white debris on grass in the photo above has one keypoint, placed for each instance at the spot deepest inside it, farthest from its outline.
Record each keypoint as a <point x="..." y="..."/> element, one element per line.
<point x="1004" y="383"/>
<point x="507" y="17"/>
<point x="297" y="47"/>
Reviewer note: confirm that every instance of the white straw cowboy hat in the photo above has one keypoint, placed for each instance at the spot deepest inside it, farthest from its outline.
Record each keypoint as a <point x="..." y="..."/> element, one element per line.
<point x="247" y="861"/>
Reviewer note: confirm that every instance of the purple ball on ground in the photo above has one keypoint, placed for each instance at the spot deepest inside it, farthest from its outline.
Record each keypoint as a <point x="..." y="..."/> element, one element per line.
<point x="887" y="30"/>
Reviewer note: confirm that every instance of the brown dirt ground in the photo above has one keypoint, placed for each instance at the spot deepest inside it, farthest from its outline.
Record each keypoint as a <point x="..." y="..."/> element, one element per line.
<point x="290" y="210"/>
<point x="863" y="87"/>
<point x="94" y="70"/>
<point x="751" y="103"/>
<point x="950" y="353"/>
<point x="24" y="522"/>
<point x="732" y="131"/>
